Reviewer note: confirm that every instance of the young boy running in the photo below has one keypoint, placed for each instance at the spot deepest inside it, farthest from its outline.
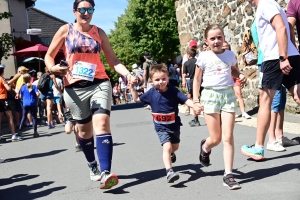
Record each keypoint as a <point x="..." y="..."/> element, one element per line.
<point x="164" y="100"/>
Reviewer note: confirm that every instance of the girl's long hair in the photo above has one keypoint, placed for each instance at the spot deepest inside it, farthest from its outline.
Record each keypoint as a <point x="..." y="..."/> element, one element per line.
<point x="26" y="79"/>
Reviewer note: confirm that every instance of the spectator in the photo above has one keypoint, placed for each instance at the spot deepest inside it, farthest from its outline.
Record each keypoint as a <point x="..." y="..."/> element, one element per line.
<point x="58" y="89"/>
<point x="41" y="105"/>
<point x="29" y="95"/>
<point x="5" y="107"/>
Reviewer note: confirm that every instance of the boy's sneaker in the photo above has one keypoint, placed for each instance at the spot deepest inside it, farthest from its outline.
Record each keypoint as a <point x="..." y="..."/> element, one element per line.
<point x="172" y="176"/>
<point x="286" y="142"/>
<point x="173" y="157"/>
<point x="16" y="138"/>
<point x="36" y="134"/>
<point x="252" y="152"/>
<point x="229" y="181"/>
<point x="94" y="172"/>
<point x="108" y="180"/>
<point x="193" y="123"/>
<point x="246" y="116"/>
<point x="275" y="146"/>
<point x="78" y="148"/>
<point x="204" y="157"/>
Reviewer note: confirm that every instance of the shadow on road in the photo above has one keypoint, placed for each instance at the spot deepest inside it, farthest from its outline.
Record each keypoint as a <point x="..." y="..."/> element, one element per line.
<point x="38" y="155"/>
<point x="25" y="191"/>
<point x="277" y="157"/>
<point x="265" y="173"/>
<point x="127" y="106"/>
<point x="147" y="176"/>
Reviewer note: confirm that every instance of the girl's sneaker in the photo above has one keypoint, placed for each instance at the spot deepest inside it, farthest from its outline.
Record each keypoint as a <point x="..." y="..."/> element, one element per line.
<point x="229" y="181"/>
<point x="204" y="157"/>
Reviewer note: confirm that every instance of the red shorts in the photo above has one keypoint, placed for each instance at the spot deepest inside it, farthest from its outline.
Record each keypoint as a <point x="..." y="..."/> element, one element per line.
<point x="236" y="81"/>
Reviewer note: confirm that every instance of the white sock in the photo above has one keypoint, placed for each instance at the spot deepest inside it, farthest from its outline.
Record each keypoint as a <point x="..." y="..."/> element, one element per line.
<point x="258" y="147"/>
<point x="226" y="173"/>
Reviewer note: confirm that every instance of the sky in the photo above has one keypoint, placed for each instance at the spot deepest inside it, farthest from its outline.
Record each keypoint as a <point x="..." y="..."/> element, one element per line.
<point x="106" y="11"/>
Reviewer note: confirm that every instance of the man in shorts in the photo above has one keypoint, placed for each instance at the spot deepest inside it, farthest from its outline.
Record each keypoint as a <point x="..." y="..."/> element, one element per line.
<point x="281" y="66"/>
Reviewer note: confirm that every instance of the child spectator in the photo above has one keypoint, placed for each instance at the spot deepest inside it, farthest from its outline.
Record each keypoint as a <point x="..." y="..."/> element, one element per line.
<point x="164" y="100"/>
<point x="217" y="67"/>
<point x="29" y="94"/>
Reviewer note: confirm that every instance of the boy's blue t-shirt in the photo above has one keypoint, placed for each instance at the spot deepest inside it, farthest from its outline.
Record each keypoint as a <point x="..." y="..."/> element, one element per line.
<point x="164" y="108"/>
<point x="29" y="98"/>
<point x="260" y="55"/>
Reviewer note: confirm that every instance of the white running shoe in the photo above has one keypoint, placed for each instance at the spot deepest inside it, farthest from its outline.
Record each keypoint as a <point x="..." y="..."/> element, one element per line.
<point x="16" y="138"/>
<point x="275" y="146"/>
<point x="2" y="160"/>
<point x="95" y="174"/>
<point x="246" y="116"/>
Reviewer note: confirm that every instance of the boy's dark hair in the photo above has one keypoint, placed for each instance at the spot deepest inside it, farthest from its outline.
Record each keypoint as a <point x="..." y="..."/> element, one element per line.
<point x="1" y="70"/>
<point x="158" y="68"/>
<point x="192" y="52"/>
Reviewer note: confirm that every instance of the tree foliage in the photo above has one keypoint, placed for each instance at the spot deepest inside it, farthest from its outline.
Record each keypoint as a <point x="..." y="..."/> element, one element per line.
<point x="6" y="40"/>
<point x="146" y="25"/>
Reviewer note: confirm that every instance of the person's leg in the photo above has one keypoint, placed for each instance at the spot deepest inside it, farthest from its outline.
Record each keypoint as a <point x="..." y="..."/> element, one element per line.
<point x="213" y="122"/>
<point x="1" y="139"/>
<point x="167" y="150"/>
<point x="263" y="117"/>
<point x="228" y="119"/>
<point x="33" y="110"/>
<point x="271" y="130"/>
<point x="10" y="121"/>
<point x="24" y="114"/>
<point x="279" y="125"/>
<point x="49" y="104"/>
<point x="29" y="118"/>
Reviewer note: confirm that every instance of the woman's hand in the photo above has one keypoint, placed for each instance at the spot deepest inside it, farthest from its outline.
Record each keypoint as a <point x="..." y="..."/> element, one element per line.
<point x="59" y="70"/>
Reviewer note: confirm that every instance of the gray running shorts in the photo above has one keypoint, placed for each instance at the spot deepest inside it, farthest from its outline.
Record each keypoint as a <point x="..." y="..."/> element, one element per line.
<point x="87" y="101"/>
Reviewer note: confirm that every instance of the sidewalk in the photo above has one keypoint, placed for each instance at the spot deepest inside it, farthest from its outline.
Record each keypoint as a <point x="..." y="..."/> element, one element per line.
<point x="291" y="121"/>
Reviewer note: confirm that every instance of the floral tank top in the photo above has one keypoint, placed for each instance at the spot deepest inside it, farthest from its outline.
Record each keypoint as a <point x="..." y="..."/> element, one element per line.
<point x="85" y="47"/>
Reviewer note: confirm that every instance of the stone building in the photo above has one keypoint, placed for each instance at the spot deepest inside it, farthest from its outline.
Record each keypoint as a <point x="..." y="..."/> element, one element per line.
<point x="235" y="16"/>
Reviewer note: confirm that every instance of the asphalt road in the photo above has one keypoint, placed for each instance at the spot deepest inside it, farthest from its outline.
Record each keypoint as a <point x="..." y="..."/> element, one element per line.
<point x="48" y="168"/>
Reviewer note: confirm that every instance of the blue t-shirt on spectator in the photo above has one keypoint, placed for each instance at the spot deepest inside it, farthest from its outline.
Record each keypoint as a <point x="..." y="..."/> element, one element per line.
<point x="29" y="98"/>
<point x="164" y="108"/>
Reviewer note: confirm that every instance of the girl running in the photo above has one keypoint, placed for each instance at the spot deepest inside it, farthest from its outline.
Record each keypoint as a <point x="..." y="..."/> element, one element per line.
<point x="217" y="67"/>
<point x="29" y="94"/>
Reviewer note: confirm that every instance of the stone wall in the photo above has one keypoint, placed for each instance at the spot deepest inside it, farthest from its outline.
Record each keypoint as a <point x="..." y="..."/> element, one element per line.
<point x="235" y="16"/>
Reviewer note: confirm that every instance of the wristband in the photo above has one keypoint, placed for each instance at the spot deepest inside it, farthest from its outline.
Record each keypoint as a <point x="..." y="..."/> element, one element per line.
<point x="127" y="74"/>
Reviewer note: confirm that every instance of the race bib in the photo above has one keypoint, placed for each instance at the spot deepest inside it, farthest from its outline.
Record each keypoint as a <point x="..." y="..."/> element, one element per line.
<point x="164" y="118"/>
<point x="84" y="70"/>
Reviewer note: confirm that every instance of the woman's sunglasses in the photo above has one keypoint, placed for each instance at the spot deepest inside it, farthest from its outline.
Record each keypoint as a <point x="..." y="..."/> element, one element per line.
<point x="83" y="10"/>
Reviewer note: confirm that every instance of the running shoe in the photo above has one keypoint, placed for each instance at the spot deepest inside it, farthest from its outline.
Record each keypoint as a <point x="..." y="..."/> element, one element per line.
<point x="193" y="123"/>
<point x="229" y="181"/>
<point x="275" y="146"/>
<point x="172" y="176"/>
<point x="204" y="157"/>
<point x="36" y="134"/>
<point x="252" y="152"/>
<point x="20" y="133"/>
<point x="108" y="180"/>
<point x="2" y="160"/>
<point x="173" y="157"/>
<point x="286" y="142"/>
<point x="94" y="172"/>
<point x="246" y="116"/>
<point x="16" y="138"/>
<point x="78" y="148"/>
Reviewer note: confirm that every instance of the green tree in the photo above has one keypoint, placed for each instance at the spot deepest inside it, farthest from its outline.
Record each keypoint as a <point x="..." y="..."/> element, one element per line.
<point x="6" y="40"/>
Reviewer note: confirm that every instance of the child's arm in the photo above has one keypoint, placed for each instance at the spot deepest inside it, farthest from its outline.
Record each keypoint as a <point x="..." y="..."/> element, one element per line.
<point x="196" y="88"/>
<point x="237" y="74"/>
<point x="134" y="94"/>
